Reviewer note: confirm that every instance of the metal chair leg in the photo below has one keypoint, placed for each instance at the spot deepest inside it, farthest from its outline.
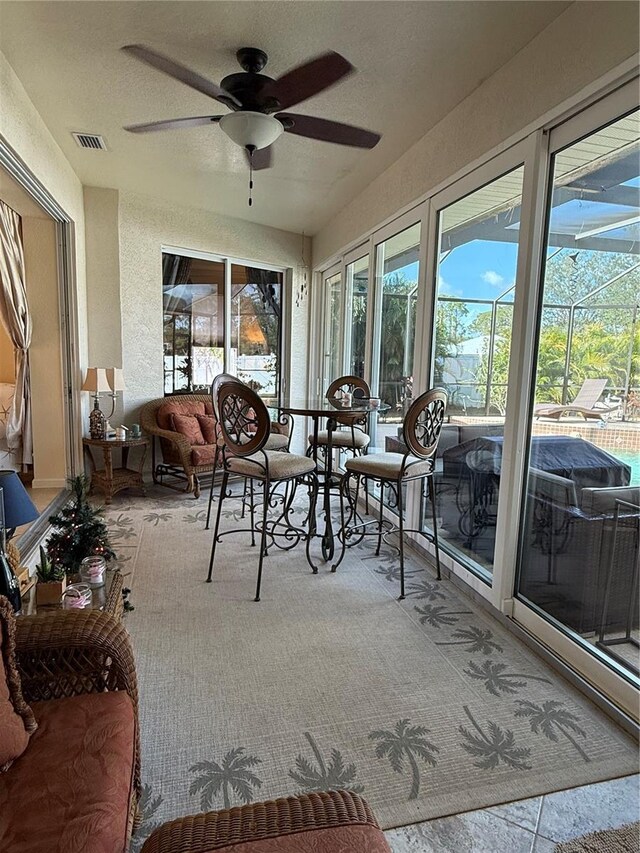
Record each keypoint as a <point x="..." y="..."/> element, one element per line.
<point x="252" y="510"/>
<point x="432" y="498"/>
<point x="213" y="479"/>
<point x="380" y="518"/>
<point x="223" y="491"/>
<point x="401" y="535"/>
<point x="263" y="534"/>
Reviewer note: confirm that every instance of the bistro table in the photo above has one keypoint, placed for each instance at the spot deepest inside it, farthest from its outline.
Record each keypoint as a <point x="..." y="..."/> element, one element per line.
<point x="334" y="410"/>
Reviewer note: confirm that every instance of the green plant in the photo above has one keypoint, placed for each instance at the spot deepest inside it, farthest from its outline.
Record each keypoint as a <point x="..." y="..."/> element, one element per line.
<point x="47" y="570"/>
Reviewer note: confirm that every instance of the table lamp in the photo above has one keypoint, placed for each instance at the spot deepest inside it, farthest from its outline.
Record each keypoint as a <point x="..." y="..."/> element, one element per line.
<point x="115" y="378"/>
<point x="16" y="508"/>
<point x="96" y="381"/>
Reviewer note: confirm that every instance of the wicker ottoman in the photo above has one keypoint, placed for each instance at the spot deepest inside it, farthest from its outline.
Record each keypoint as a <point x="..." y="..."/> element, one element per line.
<point x="324" y="822"/>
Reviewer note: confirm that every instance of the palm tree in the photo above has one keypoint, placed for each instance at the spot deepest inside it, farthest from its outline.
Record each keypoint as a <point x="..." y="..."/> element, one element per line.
<point x="194" y="518"/>
<point x="551" y="715"/>
<point x="426" y="589"/>
<point x="405" y="741"/>
<point x="475" y="639"/>
<point x="437" y="616"/>
<point x="156" y="517"/>
<point x="148" y="805"/>
<point x="322" y="776"/>
<point x="232" y="773"/>
<point x="495" y="747"/>
<point x="391" y="572"/>
<point x="496" y="680"/>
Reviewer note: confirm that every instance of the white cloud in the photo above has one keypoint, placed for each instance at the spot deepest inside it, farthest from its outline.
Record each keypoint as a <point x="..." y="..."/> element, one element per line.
<point x="492" y="277"/>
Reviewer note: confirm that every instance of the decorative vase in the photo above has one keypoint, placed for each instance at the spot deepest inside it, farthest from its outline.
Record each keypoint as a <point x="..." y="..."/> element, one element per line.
<point x="50" y="592"/>
<point x="97" y="422"/>
<point x="92" y="571"/>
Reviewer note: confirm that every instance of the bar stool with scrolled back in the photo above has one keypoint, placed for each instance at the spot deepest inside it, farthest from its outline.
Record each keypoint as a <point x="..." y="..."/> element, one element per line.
<point x="275" y="441"/>
<point x="245" y="427"/>
<point x="422" y="426"/>
<point x="354" y="438"/>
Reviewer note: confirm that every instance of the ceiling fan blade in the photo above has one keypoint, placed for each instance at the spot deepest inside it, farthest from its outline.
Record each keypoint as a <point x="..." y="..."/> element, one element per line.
<point x="171" y="123"/>
<point x="181" y="72"/>
<point x="329" y="131"/>
<point x="262" y="158"/>
<point x="309" y="79"/>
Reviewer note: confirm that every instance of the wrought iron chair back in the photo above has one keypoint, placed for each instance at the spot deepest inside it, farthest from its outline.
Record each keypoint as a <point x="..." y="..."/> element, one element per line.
<point x="423" y="423"/>
<point x="215" y="387"/>
<point x="348" y="383"/>
<point x="244" y="420"/>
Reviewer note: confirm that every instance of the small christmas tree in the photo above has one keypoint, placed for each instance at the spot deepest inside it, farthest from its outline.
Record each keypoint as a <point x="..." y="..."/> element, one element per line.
<point x="79" y="530"/>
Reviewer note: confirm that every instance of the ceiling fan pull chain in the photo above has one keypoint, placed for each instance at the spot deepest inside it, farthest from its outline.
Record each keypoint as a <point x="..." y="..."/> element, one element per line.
<point x="250" y="149"/>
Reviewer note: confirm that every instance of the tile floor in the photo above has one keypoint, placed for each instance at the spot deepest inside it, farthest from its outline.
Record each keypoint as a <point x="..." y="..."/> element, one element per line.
<point x="528" y="826"/>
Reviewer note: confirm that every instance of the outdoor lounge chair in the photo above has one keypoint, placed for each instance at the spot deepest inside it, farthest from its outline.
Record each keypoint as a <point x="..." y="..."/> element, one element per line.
<point x="584" y="403"/>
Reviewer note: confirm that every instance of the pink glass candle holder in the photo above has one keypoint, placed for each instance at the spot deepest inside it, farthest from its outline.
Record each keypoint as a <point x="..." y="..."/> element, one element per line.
<point x="77" y="596"/>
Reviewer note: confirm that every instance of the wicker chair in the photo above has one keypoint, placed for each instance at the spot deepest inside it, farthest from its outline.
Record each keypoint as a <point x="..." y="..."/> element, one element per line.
<point x="65" y="654"/>
<point x="324" y="822"/>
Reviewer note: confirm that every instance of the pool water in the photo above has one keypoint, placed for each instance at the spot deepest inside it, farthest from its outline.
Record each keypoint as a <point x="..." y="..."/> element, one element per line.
<point x="630" y="458"/>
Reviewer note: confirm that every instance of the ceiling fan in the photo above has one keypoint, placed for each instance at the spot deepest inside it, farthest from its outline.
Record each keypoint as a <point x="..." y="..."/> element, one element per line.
<point x="257" y="102"/>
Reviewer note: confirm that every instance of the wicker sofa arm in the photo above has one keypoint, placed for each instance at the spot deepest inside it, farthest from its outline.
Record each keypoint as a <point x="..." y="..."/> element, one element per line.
<point x="68" y="653"/>
<point x="258" y="821"/>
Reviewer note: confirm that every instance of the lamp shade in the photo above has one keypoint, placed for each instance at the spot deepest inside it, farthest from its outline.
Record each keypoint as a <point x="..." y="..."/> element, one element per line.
<point x="115" y="378"/>
<point x="18" y="506"/>
<point x="96" y="380"/>
<point x="247" y="128"/>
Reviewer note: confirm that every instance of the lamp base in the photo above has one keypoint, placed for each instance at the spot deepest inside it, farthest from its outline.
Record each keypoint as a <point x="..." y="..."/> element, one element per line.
<point x="97" y="422"/>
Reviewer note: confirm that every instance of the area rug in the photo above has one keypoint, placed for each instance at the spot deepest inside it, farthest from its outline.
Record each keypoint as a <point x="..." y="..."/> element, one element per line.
<point x="626" y="839"/>
<point x="428" y="706"/>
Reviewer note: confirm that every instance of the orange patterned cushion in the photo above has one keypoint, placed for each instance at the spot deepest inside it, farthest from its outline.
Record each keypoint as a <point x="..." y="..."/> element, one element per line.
<point x="208" y="426"/>
<point x="181" y="406"/>
<point x="16" y="717"/>
<point x="70" y="791"/>
<point x="203" y="455"/>
<point x="188" y="426"/>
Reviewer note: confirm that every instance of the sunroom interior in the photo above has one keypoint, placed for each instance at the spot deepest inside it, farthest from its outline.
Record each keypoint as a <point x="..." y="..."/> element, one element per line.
<point x="487" y="246"/>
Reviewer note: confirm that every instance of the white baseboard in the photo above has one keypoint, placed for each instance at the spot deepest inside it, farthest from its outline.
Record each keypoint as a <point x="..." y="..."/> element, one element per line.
<point x="49" y="484"/>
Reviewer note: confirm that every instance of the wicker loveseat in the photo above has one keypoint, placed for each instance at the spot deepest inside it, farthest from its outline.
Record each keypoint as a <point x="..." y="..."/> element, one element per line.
<point x="179" y="461"/>
<point x="76" y="783"/>
<point x="322" y="822"/>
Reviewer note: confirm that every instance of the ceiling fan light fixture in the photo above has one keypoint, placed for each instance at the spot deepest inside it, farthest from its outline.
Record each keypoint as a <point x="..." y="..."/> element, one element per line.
<point x="250" y="129"/>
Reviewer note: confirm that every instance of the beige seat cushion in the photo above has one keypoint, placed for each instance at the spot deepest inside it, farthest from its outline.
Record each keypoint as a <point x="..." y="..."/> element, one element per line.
<point x="276" y="441"/>
<point x="343" y="438"/>
<point x="387" y="465"/>
<point x="282" y="466"/>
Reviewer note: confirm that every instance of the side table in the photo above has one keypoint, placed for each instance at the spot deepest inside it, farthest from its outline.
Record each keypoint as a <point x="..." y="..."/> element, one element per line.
<point x="107" y="598"/>
<point x="110" y="480"/>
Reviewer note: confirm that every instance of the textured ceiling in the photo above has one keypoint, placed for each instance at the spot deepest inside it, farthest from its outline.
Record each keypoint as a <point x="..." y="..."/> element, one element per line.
<point x="416" y="61"/>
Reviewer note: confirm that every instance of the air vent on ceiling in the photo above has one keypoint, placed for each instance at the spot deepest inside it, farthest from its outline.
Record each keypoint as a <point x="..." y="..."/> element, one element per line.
<point x="90" y="140"/>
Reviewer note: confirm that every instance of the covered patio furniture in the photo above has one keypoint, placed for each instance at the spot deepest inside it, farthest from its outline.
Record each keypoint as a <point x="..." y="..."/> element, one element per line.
<point x="585" y="403"/>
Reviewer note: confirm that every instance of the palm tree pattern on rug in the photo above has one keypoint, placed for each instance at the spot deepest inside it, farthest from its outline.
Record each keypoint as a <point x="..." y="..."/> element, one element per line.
<point x="497" y="678"/>
<point x="426" y="590"/>
<point x="436" y="615"/>
<point x="156" y="517"/>
<point x="148" y="805"/>
<point x="475" y="639"/>
<point x="498" y="746"/>
<point x="323" y="776"/>
<point x="408" y="742"/>
<point x="232" y="775"/>
<point x="548" y="717"/>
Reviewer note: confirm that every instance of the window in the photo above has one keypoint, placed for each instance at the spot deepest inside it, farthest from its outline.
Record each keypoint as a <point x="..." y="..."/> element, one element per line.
<point x="202" y="298"/>
<point x="356" y="323"/>
<point x="475" y="284"/>
<point x="581" y="527"/>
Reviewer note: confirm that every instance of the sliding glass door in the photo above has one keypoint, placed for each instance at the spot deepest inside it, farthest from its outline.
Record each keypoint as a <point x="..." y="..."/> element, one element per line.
<point x="580" y="534"/>
<point x="475" y="271"/>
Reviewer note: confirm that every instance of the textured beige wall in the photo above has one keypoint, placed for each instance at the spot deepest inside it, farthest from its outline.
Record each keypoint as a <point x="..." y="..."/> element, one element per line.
<point x="582" y="44"/>
<point x="146" y="224"/>
<point x="24" y="130"/>
<point x="45" y="357"/>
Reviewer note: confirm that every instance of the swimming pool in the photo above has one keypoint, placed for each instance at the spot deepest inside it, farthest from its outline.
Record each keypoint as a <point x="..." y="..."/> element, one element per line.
<point x="630" y="458"/>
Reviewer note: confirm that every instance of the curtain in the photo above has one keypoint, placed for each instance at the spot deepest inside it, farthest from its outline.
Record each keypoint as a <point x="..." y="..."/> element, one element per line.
<point x="15" y="317"/>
